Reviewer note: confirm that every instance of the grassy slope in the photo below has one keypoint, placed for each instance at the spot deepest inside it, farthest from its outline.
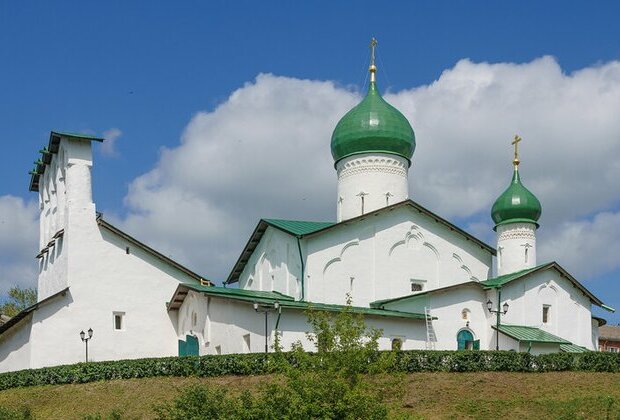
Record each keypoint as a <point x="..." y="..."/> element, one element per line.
<point x="426" y="395"/>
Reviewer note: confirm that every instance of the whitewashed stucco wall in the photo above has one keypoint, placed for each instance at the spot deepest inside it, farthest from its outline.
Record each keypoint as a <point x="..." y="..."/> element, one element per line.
<point x="275" y="265"/>
<point x="378" y="257"/>
<point x="15" y="346"/>
<point x="570" y="314"/>
<point x="216" y="333"/>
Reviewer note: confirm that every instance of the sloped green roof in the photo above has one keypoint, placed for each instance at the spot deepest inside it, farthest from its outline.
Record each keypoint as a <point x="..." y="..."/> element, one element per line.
<point x="530" y="334"/>
<point x="77" y="135"/>
<point x="234" y="292"/>
<point x="284" y="301"/>
<point x="507" y="278"/>
<point x="298" y="227"/>
<point x="572" y="348"/>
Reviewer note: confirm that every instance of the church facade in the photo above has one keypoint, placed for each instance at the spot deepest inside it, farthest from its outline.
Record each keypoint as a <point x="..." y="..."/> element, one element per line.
<point x="426" y="283"/>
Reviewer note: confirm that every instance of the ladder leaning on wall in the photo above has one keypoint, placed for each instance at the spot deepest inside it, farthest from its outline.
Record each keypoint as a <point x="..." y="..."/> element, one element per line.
<point x="431" y="338"/>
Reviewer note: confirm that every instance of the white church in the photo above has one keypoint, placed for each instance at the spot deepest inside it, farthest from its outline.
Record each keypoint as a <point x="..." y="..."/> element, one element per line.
<point x="426" y="283"/>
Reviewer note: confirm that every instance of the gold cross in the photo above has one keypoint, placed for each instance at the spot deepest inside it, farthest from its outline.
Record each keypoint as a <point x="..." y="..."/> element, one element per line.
<point x="515" y="142"/>
<point x="372" y="68"/>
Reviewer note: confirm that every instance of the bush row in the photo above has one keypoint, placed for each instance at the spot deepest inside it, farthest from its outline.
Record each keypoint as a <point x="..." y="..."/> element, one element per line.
<point x="258" y="364"/>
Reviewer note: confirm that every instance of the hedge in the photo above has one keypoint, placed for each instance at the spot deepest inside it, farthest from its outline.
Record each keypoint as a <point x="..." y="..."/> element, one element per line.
<point x="258" y="364"/>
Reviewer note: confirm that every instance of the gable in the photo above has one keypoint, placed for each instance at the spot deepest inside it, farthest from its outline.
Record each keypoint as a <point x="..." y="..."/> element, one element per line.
<point x="306" y="229"/>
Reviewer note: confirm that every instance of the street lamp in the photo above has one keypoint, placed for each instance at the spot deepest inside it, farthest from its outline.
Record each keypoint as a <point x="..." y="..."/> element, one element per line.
<point x="85" y="339"/>
<point x="266" y="309"/>
<point x="497" y="312"/>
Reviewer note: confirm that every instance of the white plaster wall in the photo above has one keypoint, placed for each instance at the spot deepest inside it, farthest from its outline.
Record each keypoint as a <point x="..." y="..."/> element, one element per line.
<point x="570" y="314"/>
<point x="448" y="307"/>
<point x="15" y="346"/>
<point x="516" y="247"/>
<point x="103" y="279"/>
<point x="275" y="265"/>
<point x="214" y="328"/>
<point x="381" y="179"/>
<point x="383" y="253"/>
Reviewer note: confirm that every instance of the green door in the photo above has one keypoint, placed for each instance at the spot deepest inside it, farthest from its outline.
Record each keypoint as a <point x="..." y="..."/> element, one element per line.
<point x="189" y="347"/>
<point x="464" y="340"/>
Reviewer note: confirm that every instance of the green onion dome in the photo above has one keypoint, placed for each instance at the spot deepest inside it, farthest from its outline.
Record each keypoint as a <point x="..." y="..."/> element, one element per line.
<point x="373" y="126"/>
<point x="516" y="204"/>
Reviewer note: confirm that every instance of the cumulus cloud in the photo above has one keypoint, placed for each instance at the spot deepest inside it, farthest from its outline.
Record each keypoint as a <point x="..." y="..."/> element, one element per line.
<point x="19" y="233"/>
<point x="108" y="147"/>
<point x="264" y="152"/>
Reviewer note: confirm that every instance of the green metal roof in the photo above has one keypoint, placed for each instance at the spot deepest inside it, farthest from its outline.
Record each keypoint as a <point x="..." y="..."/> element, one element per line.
<point x="284" y="301"/>
<point x="298" y="227"/>
<point x="516" y="204"/>
<point x="530" y="334"/>
<point x="497" y="282"/>
<point x="77" y="135"/>
<point x="373" y="126"/>
<point x="507" y="278"/>
<point x="572" y="348"/>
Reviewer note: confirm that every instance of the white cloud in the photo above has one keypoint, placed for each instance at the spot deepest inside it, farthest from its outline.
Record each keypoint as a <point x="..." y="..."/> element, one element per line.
<point x="265" y="153"/>
<point x="108" y="147"/>
<point x="586" y="248"/>
<point x="19" y="233"/>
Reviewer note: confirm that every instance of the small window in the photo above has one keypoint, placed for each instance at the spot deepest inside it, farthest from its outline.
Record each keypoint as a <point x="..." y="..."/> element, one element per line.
<point x="119" y="321"/>
<point x="218" y="349"/>
<point x="194" y="319"/>
<point x="417" y="286"/>
<point x="397" y="344"/>
<point x="545" y="314"/>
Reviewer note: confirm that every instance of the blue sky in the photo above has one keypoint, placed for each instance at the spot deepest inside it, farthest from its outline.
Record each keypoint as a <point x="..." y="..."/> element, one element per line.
<point x="149" y="69"/>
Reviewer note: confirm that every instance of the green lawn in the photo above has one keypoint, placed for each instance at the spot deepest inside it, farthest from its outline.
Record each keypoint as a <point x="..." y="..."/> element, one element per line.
<point x="424" y="395"/>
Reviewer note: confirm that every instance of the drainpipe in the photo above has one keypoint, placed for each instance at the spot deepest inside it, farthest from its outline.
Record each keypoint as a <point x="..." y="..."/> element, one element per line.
<point x="303" y="269"/>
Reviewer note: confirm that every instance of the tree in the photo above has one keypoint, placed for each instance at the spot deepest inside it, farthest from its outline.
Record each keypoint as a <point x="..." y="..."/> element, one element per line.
<point x="327" y="384"/>
<point x="18" y="300"/>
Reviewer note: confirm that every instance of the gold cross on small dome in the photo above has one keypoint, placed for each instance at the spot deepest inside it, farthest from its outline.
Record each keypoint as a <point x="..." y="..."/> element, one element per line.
<point x="373" y="68"/>
<point x="515" y="142"/>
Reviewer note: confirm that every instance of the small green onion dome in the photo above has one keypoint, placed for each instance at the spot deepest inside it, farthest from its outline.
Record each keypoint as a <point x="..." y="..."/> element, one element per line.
<point x="373" y="126"/>
<point x="516" y="204"/>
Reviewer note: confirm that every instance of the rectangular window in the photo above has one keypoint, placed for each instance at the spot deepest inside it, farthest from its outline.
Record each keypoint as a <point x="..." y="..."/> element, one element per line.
<point x="218" y="349"/>
<point x="545" y="314"/>
<point x="417" y="285"/>
<point x="119" y="321"/>
<point x="613" y="349"/>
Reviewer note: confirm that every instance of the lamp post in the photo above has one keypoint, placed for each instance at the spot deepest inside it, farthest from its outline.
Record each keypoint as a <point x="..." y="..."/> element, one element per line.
<point x="85" y="339"/>
<point x="498" y="312"/>
<point x="266" y="309"/>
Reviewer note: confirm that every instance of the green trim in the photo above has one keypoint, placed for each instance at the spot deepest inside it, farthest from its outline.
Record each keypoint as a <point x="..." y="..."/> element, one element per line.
<point x="608" y="308"/>
<point x="387" y="152"/>
<point x="517" y="220"/>
<point x="76" y="135"/>
<point x="529" y="334"/>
